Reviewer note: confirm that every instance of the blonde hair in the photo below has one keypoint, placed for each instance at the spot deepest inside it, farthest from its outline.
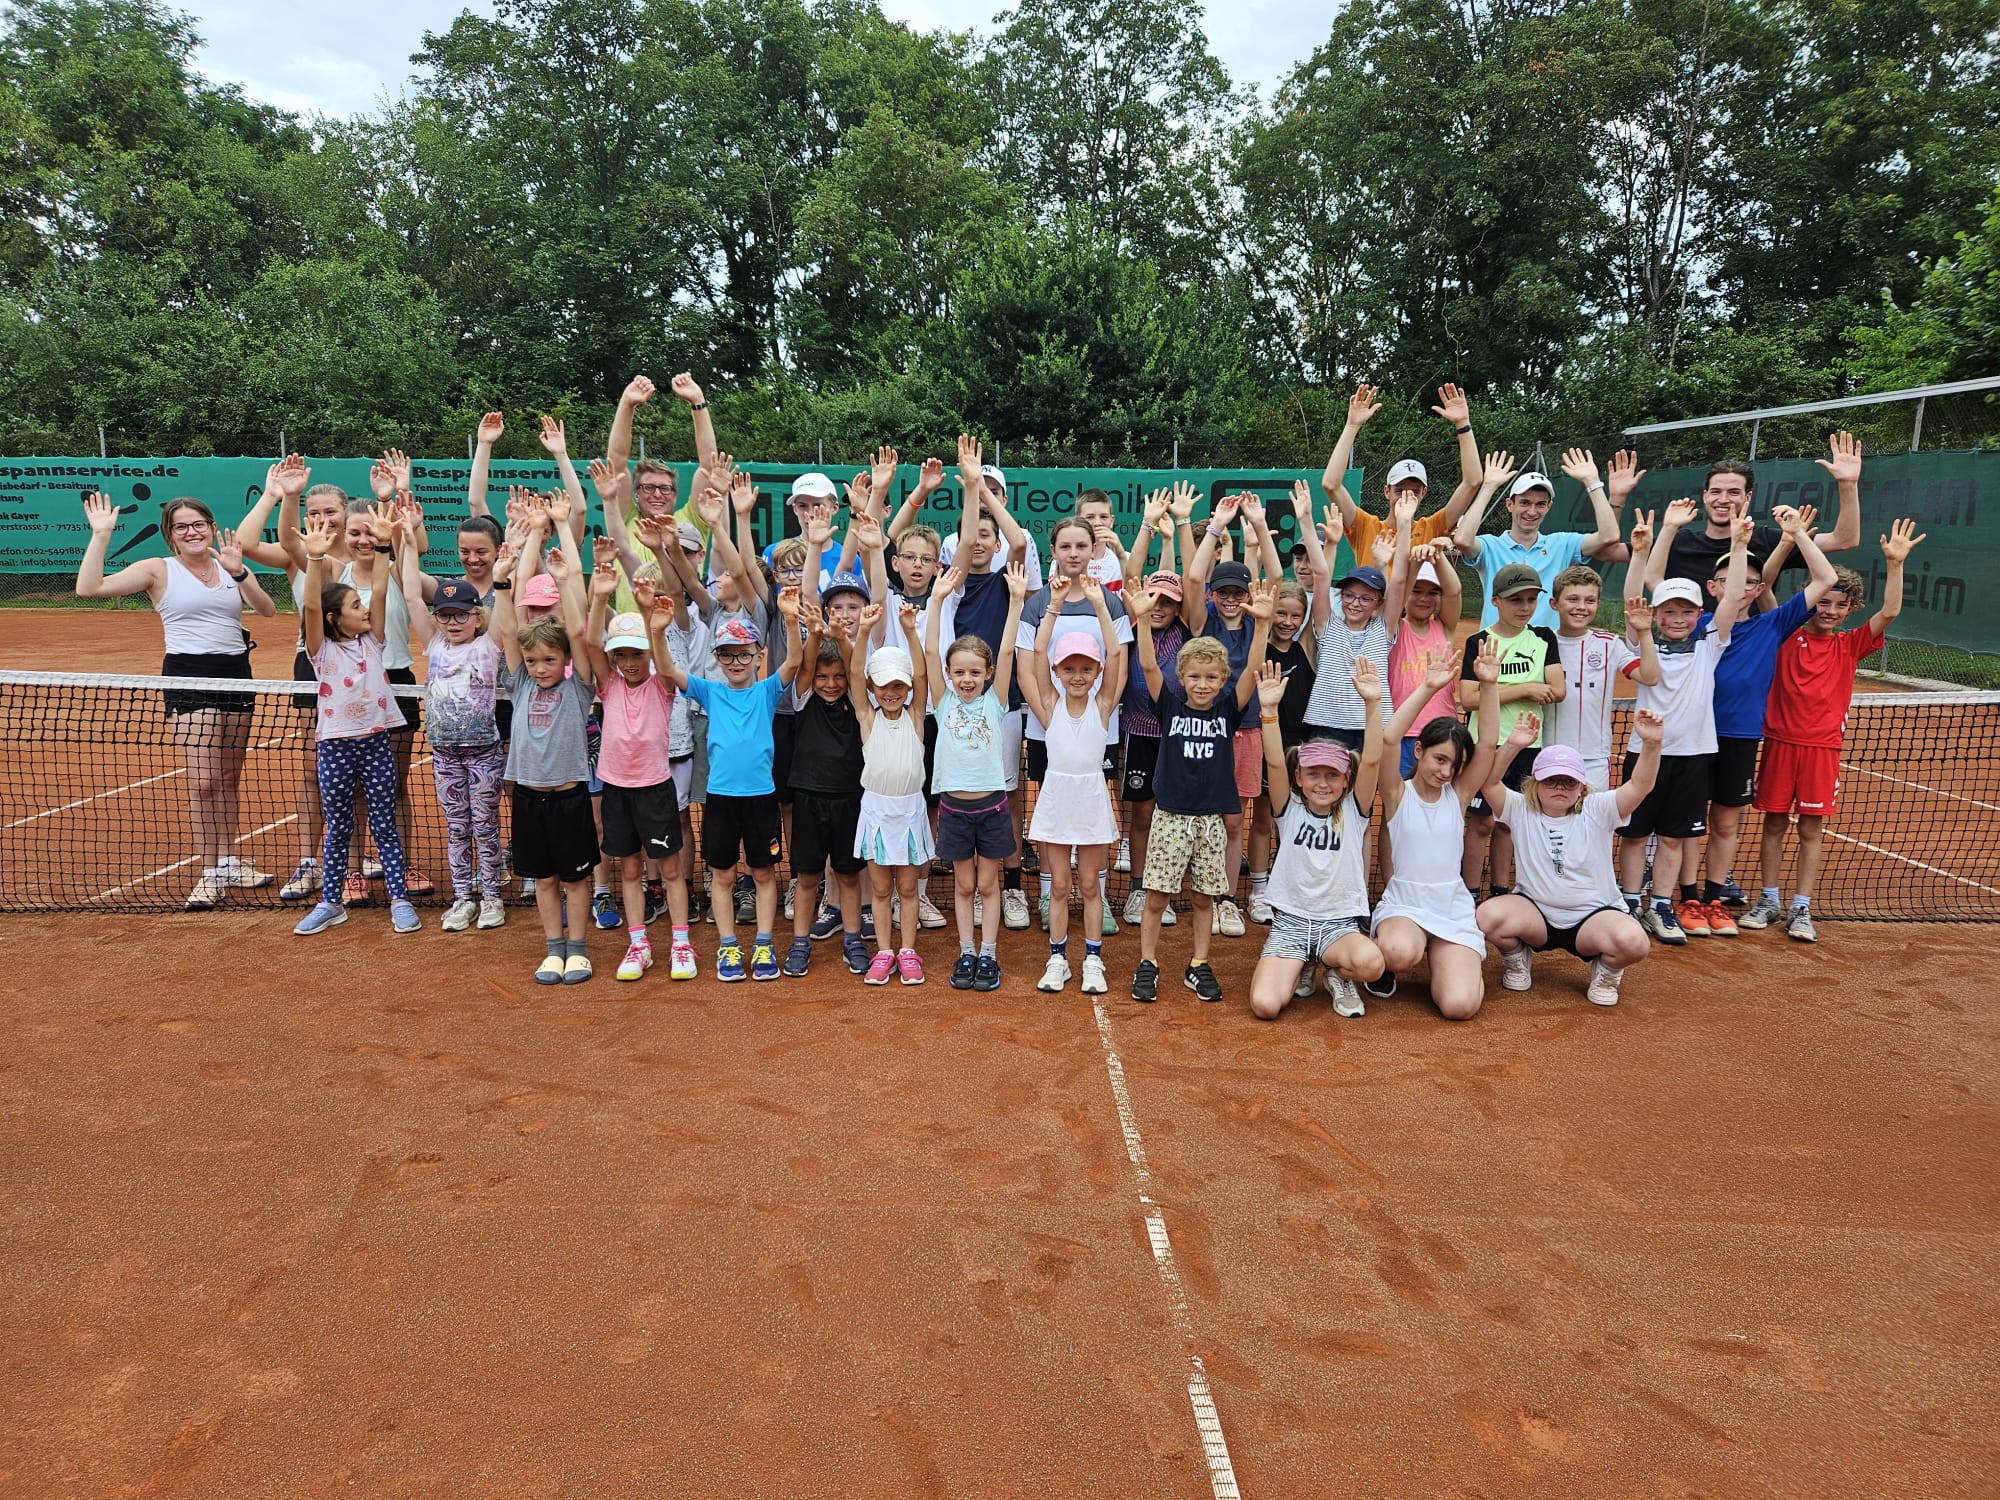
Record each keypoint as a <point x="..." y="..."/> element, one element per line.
<point x="1531" y="794"/>
<point x="649" y="573"/>
<point x="1202" y="649"/>
<point x="974" y="645"/>
<point x="923" y="534"/>
<point x="547" y="631"/>
<point x="790" y="553"/>
<point x="478" y="613"/>
<point x="1295" y="591"/>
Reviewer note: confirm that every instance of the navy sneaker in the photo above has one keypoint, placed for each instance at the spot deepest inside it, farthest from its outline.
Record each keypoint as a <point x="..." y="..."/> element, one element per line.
<point x="868" y="923"/>
<point x="1733" y="894"/>
<point x="987" y="974"/>
<point x="964" y="972"/>
<point x="826" y="924"/>
<point x="856" y="953"/>
<point x="656" y="901"/>
<point x="602" y="911"/>
<point x="729" y="962"/>
<point x="763" y="962"/>
<point x="798" y="958"/>
<point x="1201" y="979"/>
<point x="1146" y="981"/>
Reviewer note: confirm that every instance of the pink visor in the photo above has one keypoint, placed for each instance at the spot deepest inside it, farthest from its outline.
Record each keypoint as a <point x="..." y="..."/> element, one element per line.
<point x="1325" y="753"/>
<point x="1075" y="643"/>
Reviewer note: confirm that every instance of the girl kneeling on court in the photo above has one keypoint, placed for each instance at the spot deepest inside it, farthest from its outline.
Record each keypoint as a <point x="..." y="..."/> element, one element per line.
<point x="1318" y="888"/>
<point x="356" y="712"/>
<point x="1566" y="885"/>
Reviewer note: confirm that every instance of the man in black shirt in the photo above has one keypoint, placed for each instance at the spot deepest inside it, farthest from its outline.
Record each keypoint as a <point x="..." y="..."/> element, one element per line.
<point x="1695" y="554"/>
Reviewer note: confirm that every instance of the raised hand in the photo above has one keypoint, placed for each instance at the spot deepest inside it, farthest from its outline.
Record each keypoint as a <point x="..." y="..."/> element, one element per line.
<point x="1302" y="504"/>
<point x="882" y="471"/>
<point x="1787" y="517"/>
<point x="638" y="391"/>
<point x="382" y="479"/>
<point x="1486" y="664"/>
<point x="1382" y="551"/>
<point x="1017" y="581"/>
<point x="1405" y="511"/>
<point x="491" y="426"/>
<point x="1580" y="464"/>
<point x="1366" y="683"/>
<point x="399" y="464"/>
<point x="1092" y="587"/>
<point x="1139" y="604"/>
<point x="1807" y="515"/>
<point x="1499" y="469"/>
<point x="952" y="582"/>
<point x="292" y="475"/>
<point x="907" y="615"/>
<point x="1362" y="405"/>
<point x="970" y="455"/>
<point x="556" y="563"/>
<point x="647" y="597"/>
<point x="1440" y="670"/>
<point x="554" y="438"/>
<point x="556" y="502"/>
<point x="837" y="627"/>
<point x="505" y="559"/>
<point x="788" y="603"/>
<point x="100" y="512"/>
<point x="819" y="534"/>
<point x="603" y="553"/>
<point x="743" y="494"/>
<point x="1901" y="538"/>
<point x="1527" y="729"/>
<point x="1453" y="406"/>
<point x="382" y="524"/>
<point x="1682" y="512"/>
<point x="1742" y="526"/>
<point x="1650" y="727"/>
<point x="652" y="530"/>
<point x="1638" y="614"/>
<point x="708" y="505"/>
<point x="1271" y="686"/>
<point x="229" y="550"/>
<point x="612" y="485"/>
<point x="604" y="579"/>
<point x="1263" y="598"/>
<point x="684" y="387"/>
<point x="867" y="532"/>
<point x="1251" y="507"/>
<point x="1845" y="465"/>
<point x="1642" y="530"/>
<point x="871" y="614"/>
<point x="930" y="476"/>
<point x="1624" y="475"/>
<point x="317" y="537"/>
<point x="1183" y="501"/>
<point x="1226" y="509"/>
<point x="1155" y="510"/>
<point x="1059" y="587"/>
<point x="409" y="520"/>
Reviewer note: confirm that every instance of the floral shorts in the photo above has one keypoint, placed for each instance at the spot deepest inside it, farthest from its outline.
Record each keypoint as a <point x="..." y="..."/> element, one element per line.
<point x="1187" y="846"/>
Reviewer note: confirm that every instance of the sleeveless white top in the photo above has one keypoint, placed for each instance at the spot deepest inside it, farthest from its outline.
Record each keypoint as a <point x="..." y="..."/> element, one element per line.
<point x="395" y="617"/>
<point x="198" y="620"/>
<point x="892" y="760"/>
<point x="1428" y="840"/>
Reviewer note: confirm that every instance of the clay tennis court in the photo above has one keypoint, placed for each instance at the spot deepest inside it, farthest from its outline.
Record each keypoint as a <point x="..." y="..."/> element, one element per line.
<point x="380" y="1217"/>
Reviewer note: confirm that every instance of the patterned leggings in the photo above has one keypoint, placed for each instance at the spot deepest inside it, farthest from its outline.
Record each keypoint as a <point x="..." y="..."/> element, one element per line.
<point x="367" y="763"/>
<point x="468" y="789"/>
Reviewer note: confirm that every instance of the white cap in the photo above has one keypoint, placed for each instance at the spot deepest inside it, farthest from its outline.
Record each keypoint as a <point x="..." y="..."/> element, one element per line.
<point x="1427" y="574"/>
<point x="1531" y="481"/>
<point x="890" y="664"/>
<point x="989" y="472"/>
<point x="1684" y="589"/>
<point x="813" y="486"/>
<point x="1409" y="468"/>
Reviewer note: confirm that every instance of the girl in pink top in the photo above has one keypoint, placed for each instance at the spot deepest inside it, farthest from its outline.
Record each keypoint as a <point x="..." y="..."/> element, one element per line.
<point x="641" y="809"/>
<point x="1424" y="591"/>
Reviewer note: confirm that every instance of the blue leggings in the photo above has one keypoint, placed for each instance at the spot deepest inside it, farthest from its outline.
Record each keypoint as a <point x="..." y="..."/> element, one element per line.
<point x="369" y="764"/>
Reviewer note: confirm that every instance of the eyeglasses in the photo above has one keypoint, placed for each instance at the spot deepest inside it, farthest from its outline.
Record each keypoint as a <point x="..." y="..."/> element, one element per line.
<point x="656" y="489"/>
<point x="790" y="572"/>
<point x="188" y="527"/>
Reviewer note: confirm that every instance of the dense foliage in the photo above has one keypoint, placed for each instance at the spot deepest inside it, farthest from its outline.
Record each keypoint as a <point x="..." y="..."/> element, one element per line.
<point x="1069" y="233"/>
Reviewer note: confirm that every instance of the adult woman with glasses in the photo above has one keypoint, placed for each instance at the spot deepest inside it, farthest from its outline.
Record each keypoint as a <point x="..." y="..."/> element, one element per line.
<point x="200" y="590"/>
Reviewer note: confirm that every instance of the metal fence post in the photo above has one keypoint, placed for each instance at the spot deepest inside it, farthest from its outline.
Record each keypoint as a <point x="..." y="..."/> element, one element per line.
<point x="102" y="451"/>
<point x="1754" y="426"/>
<point x="1917" y="427"/>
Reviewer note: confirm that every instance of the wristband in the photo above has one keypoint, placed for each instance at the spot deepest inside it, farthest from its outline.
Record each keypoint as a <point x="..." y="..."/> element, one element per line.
<point x="1270" y="718"/>
<point x="1465" y="429"/>
<point x="1595" y="489"/>
<point x="697" y="406"/>
<point x="503" y="585"/>
<point x="1217" y="531"/>
<point x="239" y="577"/>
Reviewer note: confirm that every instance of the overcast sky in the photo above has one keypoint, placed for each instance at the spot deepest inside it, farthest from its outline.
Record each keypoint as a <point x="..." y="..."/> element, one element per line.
<point x="339" y="59"/>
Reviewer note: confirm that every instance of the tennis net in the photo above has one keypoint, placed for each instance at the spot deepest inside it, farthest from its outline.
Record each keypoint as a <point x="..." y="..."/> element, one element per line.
<point x="95" y="799"/>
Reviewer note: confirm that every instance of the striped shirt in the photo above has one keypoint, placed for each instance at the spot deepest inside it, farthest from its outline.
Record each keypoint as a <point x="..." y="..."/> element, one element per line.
<point x="1334" y="703"/>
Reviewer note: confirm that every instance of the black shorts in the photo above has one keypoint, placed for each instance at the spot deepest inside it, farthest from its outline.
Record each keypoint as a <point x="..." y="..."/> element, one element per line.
<point x="308" y="701"/>
<point x="930" y="759"/>
<point x="1565" y="937"/>
<point x="555" y="837"/>
<point x="740" y="826"/>
<point x="233" y="664"/>
<point x="1732" y="775"/>
<point x="412" y="707"/>
<point x="1142" y="755"/>
<point x="1517" y="773"/>
<point x="641" y="820"/>
<point x="783" y="729"/>
<point x="1677" y="806"/>
<point x="987" y="832"/>
<point x="823" y="826"/>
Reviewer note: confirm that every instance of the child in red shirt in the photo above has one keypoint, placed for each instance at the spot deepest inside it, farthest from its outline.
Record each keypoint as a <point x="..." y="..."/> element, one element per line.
<point x="1804" y="721"/>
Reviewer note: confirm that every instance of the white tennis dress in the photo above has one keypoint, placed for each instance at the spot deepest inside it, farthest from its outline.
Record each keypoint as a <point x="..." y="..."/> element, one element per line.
<point x="1074" y="803"/>
<point x="1429" y="840"/>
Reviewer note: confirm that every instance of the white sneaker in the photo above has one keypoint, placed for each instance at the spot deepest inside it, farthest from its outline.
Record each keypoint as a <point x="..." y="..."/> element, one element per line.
<point x="1517" y="969"/>
<point x="1093" y="974"/>
<point x="304" y="882"/>
<point x="1603" y="983"/>
<point x="460" y="916"/>
<point x="492" y="912"/>
<point x="1056" y="975"/>
<point x="1346" y="999"/>
<point x="1169" y="917"/>
<point x="1123" y="863"/>
<point x="791" y="897"/>
<point x="927" y="914"/>
<point x="1260" y="909"/>
<point x="208" y="892"/>
<point x="241" y="875"/>
<point x="1013" y="910"/>
<point x="1227" y="919"/>
<point x="1307" y="980"/>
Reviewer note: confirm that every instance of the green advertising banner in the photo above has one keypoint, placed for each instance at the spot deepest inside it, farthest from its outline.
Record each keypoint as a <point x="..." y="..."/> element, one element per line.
<point x="42" y="529"/>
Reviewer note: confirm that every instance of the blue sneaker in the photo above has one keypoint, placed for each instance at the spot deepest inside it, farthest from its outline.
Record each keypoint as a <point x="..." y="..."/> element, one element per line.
<point x="798" y="958"/>
<point x="964" y="972"/>
<point x="763" y="962"/>
<point x="321" y="917"/>
<point x="602" y="911"/>
<point x="867" y="927"/>
<point x="403" y="916"/>
<point x="986" y="974"/>
<point x="827" y="924"/>
<point x="856" y="953"/>
<point x="729" y="962"/>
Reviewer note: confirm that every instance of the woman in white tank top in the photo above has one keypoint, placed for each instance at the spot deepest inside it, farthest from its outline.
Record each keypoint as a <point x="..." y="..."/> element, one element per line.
<point x="1426" y="912"/>
<point x="200" y="590"/>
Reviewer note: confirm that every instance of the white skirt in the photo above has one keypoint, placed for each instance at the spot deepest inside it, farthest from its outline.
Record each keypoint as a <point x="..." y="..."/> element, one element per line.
<point x="1073" y="809"/>
<point x="894" y="830"/>
<point x="1444" y="910"/>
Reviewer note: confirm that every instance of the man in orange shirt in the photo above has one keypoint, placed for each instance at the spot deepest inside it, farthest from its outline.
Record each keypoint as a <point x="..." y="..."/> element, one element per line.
<point x="1406" y="476"/>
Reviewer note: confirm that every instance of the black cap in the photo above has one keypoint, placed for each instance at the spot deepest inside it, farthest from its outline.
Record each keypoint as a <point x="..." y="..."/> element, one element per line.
<point x="1229" y="574"/>
<point x="455" y="593"/>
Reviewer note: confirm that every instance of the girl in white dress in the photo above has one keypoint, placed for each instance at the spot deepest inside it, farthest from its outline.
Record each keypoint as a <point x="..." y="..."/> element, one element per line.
<point x="1426" y="911"/>
<point x="894" y="831"/>
<point x="1074" y="691"/>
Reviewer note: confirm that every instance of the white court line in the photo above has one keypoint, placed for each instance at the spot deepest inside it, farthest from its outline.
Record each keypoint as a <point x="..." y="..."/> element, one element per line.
<point x="130" y="786"/>
<point x="1919" y="786"/>
<point x="1221" y="1474"/>
<point x="1915" y="864"/>
<point x="179" y="863"/>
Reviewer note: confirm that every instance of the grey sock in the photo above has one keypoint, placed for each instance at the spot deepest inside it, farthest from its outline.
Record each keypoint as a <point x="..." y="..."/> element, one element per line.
<point x="558" y="948"/>
<point x="574" y="948"/>
<point x="988" y="950"/>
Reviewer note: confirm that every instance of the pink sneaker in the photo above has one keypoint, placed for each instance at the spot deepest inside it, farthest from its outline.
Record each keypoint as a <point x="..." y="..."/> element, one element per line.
<point x="911" y="966"/>
<point x="883" y="966"/>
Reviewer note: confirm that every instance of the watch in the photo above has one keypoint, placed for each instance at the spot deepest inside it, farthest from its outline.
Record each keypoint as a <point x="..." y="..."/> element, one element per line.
<point x="239" y="577"/>
<point x="503" y="585"/>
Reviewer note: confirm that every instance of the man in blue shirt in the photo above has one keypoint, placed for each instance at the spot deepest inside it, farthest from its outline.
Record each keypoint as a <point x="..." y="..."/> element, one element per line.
<point x="1524" y="541"/>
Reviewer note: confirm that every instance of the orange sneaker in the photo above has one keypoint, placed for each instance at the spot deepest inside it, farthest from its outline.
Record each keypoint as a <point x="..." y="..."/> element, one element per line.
<point x="1720" y="923"/>
<point x="1694" y="919"/>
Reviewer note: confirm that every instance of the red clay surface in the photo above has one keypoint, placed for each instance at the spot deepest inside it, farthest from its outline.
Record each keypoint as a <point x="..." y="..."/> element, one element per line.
<point x="376" y="1216"/>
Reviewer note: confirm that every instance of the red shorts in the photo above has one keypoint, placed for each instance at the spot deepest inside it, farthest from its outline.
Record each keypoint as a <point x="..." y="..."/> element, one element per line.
<point x="1249" y="762"/>
<point x="1802" y="776"/>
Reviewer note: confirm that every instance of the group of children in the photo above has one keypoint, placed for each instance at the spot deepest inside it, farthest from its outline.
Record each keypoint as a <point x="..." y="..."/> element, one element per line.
<point x="861" y="708"/>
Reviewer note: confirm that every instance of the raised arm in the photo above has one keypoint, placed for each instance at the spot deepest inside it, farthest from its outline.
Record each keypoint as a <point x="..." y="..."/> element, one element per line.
<point x="1139" y="605"/>
<point x="1498" y="470"/>
<point x="1481" y="769"/>
<point x="506" y="625"/>
<point x="1845" y="467"/>
<point x="250" y="535"/>
<point x="1639" y="634"/>
<point x="556" y="440"/>
<point x="603" y="584"/>
<point x="704" y="428"/>
<point x="1270" y="694"/>
<point x="952" y="581"/>
<point x="737" y="559"/>
<point x="147" y="576"/>
<point x="1602" y="544"/>
<point x="317" y="541"/>
<point x="1111" y="683"/>
<point x="618" y="443"/>
<point x="293" y="476"/>
<point x="929" y="479"/>
<point x="411" y="574"/>
<point x="491" y="426"/>
<point x="907" y="615"/>
<point x="1017" y="595"/>
<point x="1194" y="586"/>
<point x="1457" y="410"/>
<point x="1730" y="605"/>
<point x="229" y="552"/>
<point x="1263" y="604"/>
<point x="1797" y="526"/>
<point x="659" y="617"/>
<point x="1404" y="516"/>
<point x="1896" y="547"/>
<point x="1151" y="519"/>
<point x="1679" y="514"/>
<point x="567" y="571"/>
<point x="1650" y="727"/>
<point x="1368" y="773"/>
<point x="1322" y="572"/>
<point x="1045" y="694"/>
<point x="1360" y="407"/>
<point x="1265" y="544"/>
